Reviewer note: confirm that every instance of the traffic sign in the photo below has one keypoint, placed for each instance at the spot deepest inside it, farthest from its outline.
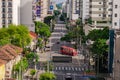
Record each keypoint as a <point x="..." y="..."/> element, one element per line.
<point x="51" y="7"/>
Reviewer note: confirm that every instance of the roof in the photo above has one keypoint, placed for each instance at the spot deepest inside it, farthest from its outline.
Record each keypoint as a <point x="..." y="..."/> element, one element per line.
<point x="2" y="62"/>
<point x="9" y="52"/>
<point x="33" y="35"/>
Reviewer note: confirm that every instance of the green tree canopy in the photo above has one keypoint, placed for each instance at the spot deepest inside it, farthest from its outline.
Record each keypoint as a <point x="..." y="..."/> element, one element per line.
<point x="17" y="35"/>
<point x="32" y="72"/>
<point x="98" y="34"/>
<point x="48" y="19"/>
<point x="99" y="47"/>
<point x="56" y="12"/>
<point x="47" y="76"/>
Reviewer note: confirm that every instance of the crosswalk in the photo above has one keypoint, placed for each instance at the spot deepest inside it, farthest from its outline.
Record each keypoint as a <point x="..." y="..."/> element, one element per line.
<point x="69" y="68"/>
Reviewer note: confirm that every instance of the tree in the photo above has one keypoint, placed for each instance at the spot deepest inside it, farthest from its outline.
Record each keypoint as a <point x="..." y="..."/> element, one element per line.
<point x="16" y="35"/>
<point x="32" y="72"/>
<point x="98" y="34"/>
<point x="48" y="19"/>
<point x="56" y="12"/>
<point x="99" y="47"/>
<point x="47" y="76"/>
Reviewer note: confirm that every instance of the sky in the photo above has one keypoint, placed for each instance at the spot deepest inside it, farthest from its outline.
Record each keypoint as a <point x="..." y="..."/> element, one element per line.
<point x="59" y="1"/>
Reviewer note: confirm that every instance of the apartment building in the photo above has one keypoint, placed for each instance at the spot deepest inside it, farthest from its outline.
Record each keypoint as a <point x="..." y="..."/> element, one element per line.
<point x="116" y="14"/>
<point x="84" y="10"/>
<point x="100" y="13"/>
<point x="73" y="10"/>
<point x="16" y="12"/>
<point x="40" y="9"/>
<point x="26" y="14"/>
<point x="9" y="12"/>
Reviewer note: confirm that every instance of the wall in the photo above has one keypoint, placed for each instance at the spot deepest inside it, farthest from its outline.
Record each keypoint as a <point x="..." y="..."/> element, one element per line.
<point x="2" y="72"/>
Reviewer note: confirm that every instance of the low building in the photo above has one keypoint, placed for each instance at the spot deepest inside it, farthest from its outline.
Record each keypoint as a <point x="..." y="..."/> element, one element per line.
<point x="34" y="40"/>
<point x="9" y="56"/>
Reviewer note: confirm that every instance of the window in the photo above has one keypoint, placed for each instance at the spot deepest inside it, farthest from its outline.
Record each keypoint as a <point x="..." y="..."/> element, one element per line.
<point x="115" y="14"/>
<point x="3" y="21"/>
<point x="9" y="9"/>
<point x="104" y="15"/>
<point x="99" y="14"/>
<point x="116" y="6"/>
<point x="109" y="16"/>
<point x="3" y="4"/>
<point x="9" y="4"/>
<point x="9" y="21"/>
<point x="99" y="8"/>
<point x="115" y="23"/>
<point x="3" y="10"/>
<point x="3" y="15"/>
<point x="99" y="2"/>
<point x="9" y="15"/>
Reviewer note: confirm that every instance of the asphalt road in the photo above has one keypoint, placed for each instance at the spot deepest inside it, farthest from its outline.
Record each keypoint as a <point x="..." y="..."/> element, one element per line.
<point x="76" y="68"/>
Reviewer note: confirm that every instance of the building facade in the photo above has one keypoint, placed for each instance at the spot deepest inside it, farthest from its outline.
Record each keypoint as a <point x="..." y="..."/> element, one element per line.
<point x="73" y="10"/>
<point x="116" y="14"/>
<point x="84" y="10"/>
<point x="100" y="13"/>
<point x="9" y="12"/>
<point x="26" y="14"/>
<point x="40" y="9"/>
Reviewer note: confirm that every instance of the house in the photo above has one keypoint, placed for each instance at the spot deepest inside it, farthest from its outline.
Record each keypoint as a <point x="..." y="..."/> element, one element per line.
<point x="2" y="69"/>
<point x="9" y="56"/>
<point x="33" y="43"/>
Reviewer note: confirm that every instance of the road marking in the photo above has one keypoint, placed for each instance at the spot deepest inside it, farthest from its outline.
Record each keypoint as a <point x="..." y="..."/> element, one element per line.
<point x="73" y="68"/>
<point x="66" y="68"/>
<point x="62" y="68"/>
<point x="56" y="68"/>
<point x="69" y="68"/>
<point x="59" y="68"/>
<point x="79" y="69"/>
<point x="76" y="69"/>
<point x="82" y="69"/>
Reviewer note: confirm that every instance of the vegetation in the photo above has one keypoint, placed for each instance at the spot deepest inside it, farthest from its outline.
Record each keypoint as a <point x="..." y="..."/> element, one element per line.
<point x="98" y="34"/>
<point x="16" y="35"/>
<point x="63" y="16"/>
<point x="47" y="76"/>
<point x="99" y="48"/>
<point x="43" y="30"/>
<point x="21" y="66"/>
<point x="56" y="12"/>
<point x="50" y="66"/>
<point x="32" y="72"/>
<point x="47" y="20"/>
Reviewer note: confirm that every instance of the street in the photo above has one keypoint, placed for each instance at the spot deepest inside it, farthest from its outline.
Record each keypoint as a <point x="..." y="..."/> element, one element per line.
<point x="76" y="67"/>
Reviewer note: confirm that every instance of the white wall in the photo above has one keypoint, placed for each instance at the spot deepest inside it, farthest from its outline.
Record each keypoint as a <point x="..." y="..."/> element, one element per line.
<point x="26" y="14"/>
<point x="85" y="10"/>
<point x="0" y="15"/>
<point x="16" y="12"/>
<point x="116" y="11"/>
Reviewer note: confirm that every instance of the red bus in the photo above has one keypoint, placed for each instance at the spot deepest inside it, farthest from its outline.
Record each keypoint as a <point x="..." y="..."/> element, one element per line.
<point x="68" y="51"/>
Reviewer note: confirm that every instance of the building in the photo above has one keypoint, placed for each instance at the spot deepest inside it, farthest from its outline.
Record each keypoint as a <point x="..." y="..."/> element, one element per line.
<point x="73" y="10"/>
<point x="9" y="12"/>
<point x="116" y="14"/>
<point x="84" y="10"/>
<point x="16" y="12"/>
<point x="34" y="37"/>
<point x="100" y="13"/>
<point x="40" y="9"/>
<point x="26" y="14"/>
<point x="9" y="56"/>
<point x="2" y="69"/>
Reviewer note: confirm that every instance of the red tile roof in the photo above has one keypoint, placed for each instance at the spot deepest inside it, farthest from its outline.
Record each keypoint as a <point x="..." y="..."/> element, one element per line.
<point x="2" y="62"/>
<point x="33" y="35"/>
<point x="9" y="52"/>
